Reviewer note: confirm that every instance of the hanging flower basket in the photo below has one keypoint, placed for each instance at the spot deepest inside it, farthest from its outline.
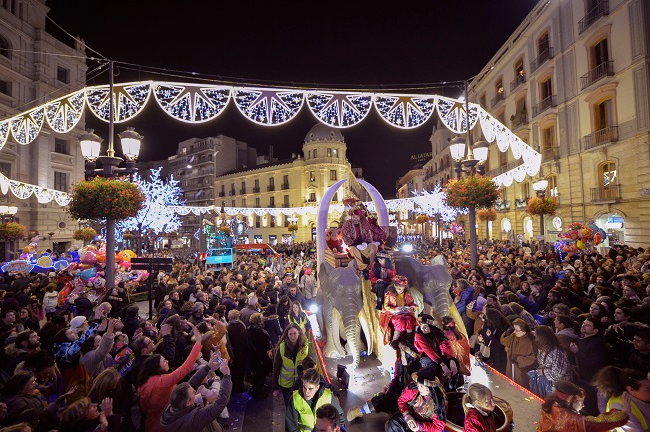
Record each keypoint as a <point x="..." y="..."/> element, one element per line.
<point x="12" y="231"/>
<point x="421" y="219"/>
<point x="128" y="235"/>
<point x="85" y="234"/>
<point x="472" y="191"/>
<point x="225" y="230"/>
<point x="487" y="214"/>
<point x="542" y="206"/>
<point x="292" y="227"/>
<point x="103" y="198"/>
<point x="172" y="235"/>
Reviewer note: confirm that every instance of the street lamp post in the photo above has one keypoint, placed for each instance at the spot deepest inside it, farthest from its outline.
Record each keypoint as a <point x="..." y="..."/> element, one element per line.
<point x="90" y="147"/>
<point x="7" y="212"/>
<point x="540" y="189"/>
<point x="474" y="163"/>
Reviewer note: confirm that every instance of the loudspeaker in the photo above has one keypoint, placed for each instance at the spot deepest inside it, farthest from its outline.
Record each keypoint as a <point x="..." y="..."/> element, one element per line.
<point x="342" y="376"/>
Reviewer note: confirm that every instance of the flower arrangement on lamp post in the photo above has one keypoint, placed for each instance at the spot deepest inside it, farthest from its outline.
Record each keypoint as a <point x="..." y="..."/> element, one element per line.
<point x="102" y="198"/>
<point x="472" y="192"/>
<point x="85" y="234"/>
<point x="11" y="231"/>
<point x="293" y="228"/>
<point x="542" y="206"/>
<point x="487" y="215"/>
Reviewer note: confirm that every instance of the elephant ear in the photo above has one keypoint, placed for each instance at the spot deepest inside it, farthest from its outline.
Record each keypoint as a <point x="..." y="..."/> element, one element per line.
<point x="324" y="278"/>
<point x="352" y="264"/>
<point x="411" y="269"/>
<point x="439" y="260"/>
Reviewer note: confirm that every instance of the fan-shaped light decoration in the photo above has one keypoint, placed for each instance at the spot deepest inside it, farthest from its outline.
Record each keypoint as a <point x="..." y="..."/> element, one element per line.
<point x="64" y="113"/>
<point x="339" y="109"/>
<point x="62" y="198"/>
<point x="44" y="195"/>
<point x="268" y="107"/>
<point x="26" y="127"/>
<point x="488" y="125"/>
<point x="404" y="111"/>
<point x="22" y="190"/>
<point x="4" y="133"/>
<point x="454" y="115"/>
<point x="191" y="103"/>
<point x="129" y="99"/>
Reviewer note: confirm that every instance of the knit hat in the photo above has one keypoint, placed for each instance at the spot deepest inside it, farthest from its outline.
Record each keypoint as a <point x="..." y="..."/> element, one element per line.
<point x="400" y="280"/>
<point x="77" y="322"/>
<point x="479" y="303"/>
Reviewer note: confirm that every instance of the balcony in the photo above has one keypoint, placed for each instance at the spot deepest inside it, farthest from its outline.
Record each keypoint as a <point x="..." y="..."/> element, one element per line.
<point x="598" y="138"/>
<point x="550" y="153"/>
<point x="601" y="9"/>
<point x="232" y="192"/>
<point x="285" y="186"/>
<point x="497" y="99"/>
<point x="502" y="206"/>
<point x="605" y="69"/>
<point x="548" y="102"/>
<point x="270" y="188"/>
<point x="242" y="191"/>
<point x="517" y="120"/>
<point x="545" y="55"/>
<point x="518" y="81"/>
<point x="609" y="194"/>
<point x="271" y="205"/>
<point x="222" y="194"/>
<point x="256" y="189"/>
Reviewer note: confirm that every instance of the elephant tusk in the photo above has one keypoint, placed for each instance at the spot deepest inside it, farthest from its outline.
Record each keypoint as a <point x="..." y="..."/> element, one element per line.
<point x="336" y="332"/>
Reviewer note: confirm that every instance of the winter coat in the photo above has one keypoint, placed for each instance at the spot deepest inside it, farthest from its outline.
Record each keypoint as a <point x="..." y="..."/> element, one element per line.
<point x="246" y="314"/>
<point x="98" y="359"/>
<point x="50" y="301"/>
<point x="308" y="285"/>
<point x="67" y="354"/>
<point x="272" y="326"/>
<point x="155" y="393"/>
<point x="522" y="354"/>
<point x="258" y="343"/>
<point x="198" y="418"/>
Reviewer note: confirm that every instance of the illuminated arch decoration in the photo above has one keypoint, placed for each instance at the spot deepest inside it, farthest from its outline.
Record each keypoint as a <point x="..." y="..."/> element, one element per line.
<point x="63" y="114"/>
<point x="271" y="107"/>
<point x="26" y="127"/>
<point x="191" y="103"/>
<point x="405" y="111"/>
<point x="339" y="109"/>
<point x="268" y="106"/>
<point x="128" y="99"/>
<point x="453" y="114"/>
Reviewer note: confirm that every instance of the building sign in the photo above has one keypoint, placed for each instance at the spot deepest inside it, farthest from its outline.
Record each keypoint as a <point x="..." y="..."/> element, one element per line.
<point x="421" y="157"/>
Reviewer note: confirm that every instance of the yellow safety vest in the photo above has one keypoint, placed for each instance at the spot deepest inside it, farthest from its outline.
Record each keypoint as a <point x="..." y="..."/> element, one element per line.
<point x="307" y="418"/>
<point x="302" y="322"/>
<point x="289" y="370"/>
<point x="633" y="408"/>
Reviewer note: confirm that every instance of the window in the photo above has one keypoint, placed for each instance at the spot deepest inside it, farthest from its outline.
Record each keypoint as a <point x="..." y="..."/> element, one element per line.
<point x="336" y="197"/>
<point x="272" y="221"/>
<point x="271" y="201"/>
<point x="257" y="202"/>
<point x="332" y="174"/>
<point x="315" y="152"/>
<point x="499" y="88"/>
<point x="5" y="48"/>
<point x="312" y="197"/>
<point x="223" y="189"/>
<point x="243" y="187"/>
<point x="503" y="158"/>
<point x="61" y="146"/>
<point x="232" y="203"/>
<point x="546" y="89"/>
<point x="519" y="69"/>
<point x="5" y="87"/>
<point x="272" y="181"/>
<point x="599" y="53"/>
<point x="285" y="181"/>
<point x="525" y="189"/>
<point x="329" y="152"/>
<point x="542" y="44"/>
<point x="335" y="153"/>
<point x="258" y="221"/>
<point x="61" y="181"/>
<point x="607" y="174"/>
<point x="243" y="202"/>
<point x="312" y="176"/>
<point x="551" y="189"/>
<point x="63" y="74"/>
<point x="603" y="115"/>
<point x="257" y="185"/>
<point x="482" y="99"/>
<point x="548" y="138"/>
<point x="5" y="168"/>
<point x="285" y="203"/>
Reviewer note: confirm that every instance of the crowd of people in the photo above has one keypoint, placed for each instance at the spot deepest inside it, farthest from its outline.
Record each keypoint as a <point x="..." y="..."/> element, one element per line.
<point x="572" y="329"/>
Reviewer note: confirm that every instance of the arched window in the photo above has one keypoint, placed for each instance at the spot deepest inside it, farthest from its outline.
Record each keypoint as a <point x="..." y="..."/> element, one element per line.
<point x="551" y="189"/>
<point x="5" y="48"/>
<point x="607" y="174"/>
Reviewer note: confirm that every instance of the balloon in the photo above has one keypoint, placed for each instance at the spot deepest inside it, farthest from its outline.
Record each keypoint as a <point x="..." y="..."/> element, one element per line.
<point x="90" y="258"/>
<point x="597" y="238"/>
<point x="86" y="274"/>
<point x="580" y="245"/>
<point x="101" y="258"/>
<point x="125" y="264"/>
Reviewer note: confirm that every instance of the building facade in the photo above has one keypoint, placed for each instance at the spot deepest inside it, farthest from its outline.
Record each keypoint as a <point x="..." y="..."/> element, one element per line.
<point x="35" y="68"/>
<point x="573" y="81"/>
<point x="299" y="181"/>
<point x="196" y="165"/>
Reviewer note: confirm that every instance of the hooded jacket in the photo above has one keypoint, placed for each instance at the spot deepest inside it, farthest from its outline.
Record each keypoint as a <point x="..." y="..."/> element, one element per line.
<point x="198" y="418"/>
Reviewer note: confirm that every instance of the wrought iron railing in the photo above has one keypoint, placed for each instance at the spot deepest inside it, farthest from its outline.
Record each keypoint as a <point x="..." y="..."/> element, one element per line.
<point x="498" y="98"/>
<point x="518" y="81"/>
<point x="546" y="103"/>
<point x="600" y="137"/>
<point x="518" y="119"/>
<point x="550" y="153"/>
<point x="605" y="69"/>
<point x="601" y="9"/>
<point x="545" y="55"/>
<point x="608" y="194"/>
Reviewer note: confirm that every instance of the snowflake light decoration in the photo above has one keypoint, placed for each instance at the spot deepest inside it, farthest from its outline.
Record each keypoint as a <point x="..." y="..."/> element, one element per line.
<point x="432" y="203"/>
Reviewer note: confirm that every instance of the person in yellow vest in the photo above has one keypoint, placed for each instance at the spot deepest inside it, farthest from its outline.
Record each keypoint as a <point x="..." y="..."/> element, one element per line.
<point x="299" y="317"/>
<point x="327" y="418"/>
<point x="628" y="390"/>
<point x="304" y="402"/>
<point x="290" y="351"/>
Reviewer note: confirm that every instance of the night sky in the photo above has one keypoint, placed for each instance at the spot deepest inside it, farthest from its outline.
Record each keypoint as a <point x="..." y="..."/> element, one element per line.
<point x="344" y="45"/>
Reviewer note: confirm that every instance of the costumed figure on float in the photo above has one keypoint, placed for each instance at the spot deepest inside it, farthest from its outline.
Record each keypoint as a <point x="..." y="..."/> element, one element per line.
<point x="357" y="235"/>
<point x="397" y="320"/>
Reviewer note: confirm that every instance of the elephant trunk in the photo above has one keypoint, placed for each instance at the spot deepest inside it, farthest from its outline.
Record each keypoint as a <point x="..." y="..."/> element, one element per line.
<point x="350" y="316"/>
